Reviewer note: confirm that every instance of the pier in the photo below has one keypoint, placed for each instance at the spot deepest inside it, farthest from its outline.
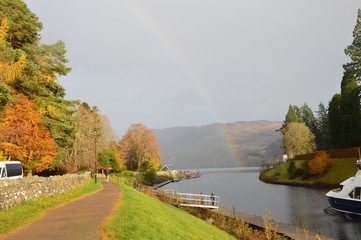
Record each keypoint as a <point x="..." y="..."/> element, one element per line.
<point x="193" y="200"/>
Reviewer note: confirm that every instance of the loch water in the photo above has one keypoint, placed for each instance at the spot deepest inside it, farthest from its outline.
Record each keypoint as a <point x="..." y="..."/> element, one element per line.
<point x="240" y="188"/>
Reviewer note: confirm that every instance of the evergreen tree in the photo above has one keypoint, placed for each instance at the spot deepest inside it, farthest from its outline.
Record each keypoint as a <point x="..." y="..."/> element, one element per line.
<point x="293" y="114"/>
<point x="344" y="109"/>
<point x="307" y="117"/>
<point x="30" y="68"/>
<point x="322" y="134"/>
<point x="354" y="50"/>
<point x="24" y="26"/>
<point x="334" y="119"/>
<point x="351" y="112"/>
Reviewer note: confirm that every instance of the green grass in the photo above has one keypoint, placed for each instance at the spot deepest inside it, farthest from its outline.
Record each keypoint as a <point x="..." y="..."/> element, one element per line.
<point x="139" y="216"/>
<point x="342" y="169"/>
<point x="279" y="172"/>
<point x="29" y="211"/>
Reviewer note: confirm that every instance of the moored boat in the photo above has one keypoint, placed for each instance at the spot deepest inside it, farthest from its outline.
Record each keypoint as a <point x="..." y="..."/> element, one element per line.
<point x="347" y="198"/>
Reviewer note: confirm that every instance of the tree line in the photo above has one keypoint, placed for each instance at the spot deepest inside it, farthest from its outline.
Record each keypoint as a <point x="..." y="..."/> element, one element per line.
<point x="337" y="125"/>
<point x="42" y="129"/>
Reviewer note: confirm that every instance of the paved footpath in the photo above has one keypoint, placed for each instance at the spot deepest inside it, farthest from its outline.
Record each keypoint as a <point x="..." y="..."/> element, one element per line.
<point x="80" y="219"/>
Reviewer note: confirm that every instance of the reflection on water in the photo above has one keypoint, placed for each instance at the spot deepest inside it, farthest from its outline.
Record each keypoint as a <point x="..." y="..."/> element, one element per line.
<point x="304" y="207"/>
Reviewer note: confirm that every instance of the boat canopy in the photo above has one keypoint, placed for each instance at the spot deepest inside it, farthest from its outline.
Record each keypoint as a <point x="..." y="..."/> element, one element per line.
<point x="353" y="181"/>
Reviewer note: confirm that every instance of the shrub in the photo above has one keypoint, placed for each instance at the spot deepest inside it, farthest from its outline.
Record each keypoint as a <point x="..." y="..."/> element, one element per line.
<point x="291" y="168"/>
<point x="127" y="173"/>
<point x="149" y="177"/>
<point x="293" y="171"/>
<point x="319" y="164"/>
<point x="109" y="159"/>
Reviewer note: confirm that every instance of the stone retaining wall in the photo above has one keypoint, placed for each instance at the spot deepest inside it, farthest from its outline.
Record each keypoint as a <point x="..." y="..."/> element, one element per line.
<point x="13" y="192"/>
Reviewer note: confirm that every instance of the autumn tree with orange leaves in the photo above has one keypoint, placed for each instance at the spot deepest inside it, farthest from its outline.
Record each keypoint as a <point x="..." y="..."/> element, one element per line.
<point x="319" y="164"/>
<point x="37" y="124"/>
<point x="140" y="149"/>
<point x="23" y="137"/>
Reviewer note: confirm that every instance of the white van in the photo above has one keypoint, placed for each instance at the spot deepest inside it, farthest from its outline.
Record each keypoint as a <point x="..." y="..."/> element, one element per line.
<point x="11" y="170"/>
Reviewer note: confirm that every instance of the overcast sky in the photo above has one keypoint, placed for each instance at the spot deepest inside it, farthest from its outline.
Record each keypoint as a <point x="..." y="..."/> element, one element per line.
<point x="168" y="63"/>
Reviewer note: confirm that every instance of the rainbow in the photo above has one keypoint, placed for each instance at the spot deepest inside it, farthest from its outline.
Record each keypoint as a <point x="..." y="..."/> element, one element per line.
<point x="199" y="84"/>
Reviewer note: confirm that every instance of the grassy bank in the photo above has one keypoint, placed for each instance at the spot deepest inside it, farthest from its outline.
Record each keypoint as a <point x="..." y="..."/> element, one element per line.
<point x="139" y="216"/>
<point x="30" y="211"/>
<point x="342" y="169"/>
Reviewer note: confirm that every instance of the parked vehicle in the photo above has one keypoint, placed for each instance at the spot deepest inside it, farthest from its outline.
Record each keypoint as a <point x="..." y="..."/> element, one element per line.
<point x="11" y="170"/>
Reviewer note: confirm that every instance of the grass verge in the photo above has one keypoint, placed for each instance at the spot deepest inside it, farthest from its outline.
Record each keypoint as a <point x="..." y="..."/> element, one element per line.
<point x="29" y="211"/>
<point x="139" y="216"/>
<point x="342" y="169"/>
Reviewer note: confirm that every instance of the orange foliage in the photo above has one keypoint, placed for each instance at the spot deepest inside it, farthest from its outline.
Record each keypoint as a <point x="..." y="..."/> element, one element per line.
<point x="139" y="149"/>
<point x="23" y="137"/>
<point x="320" y="163"/>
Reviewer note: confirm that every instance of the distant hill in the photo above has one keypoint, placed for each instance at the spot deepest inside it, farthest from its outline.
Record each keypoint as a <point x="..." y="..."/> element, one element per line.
<point x="220" y="144"/>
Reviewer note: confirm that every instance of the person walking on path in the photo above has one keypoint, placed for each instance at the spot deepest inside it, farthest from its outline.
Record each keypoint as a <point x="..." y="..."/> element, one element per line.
<point x="79" y="219"/>
<point x="107" y="173"/>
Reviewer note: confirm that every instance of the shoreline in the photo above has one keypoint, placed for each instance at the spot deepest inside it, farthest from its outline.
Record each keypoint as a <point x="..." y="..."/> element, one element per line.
<point x="287" y="230"/>
<point x="255" y="222"/>
<point x="316" y="185"/>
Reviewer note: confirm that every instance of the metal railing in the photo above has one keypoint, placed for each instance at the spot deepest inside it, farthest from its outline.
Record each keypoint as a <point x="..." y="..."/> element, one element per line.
<point x="194" y="200"/>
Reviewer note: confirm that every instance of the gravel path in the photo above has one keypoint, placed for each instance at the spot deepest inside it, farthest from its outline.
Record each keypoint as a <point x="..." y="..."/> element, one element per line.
<point x="80" y="219"/>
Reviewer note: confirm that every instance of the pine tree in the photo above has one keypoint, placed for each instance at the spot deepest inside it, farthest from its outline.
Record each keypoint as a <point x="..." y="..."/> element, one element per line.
<point x="307" y="117"/>
<point x="350" y="110"/>
<point x="322" y="134"/>
<point x="293" y="114"/>
<point x="334" y="119"/>
<point x="32" y="69"/>
<point x="354" y="50"/>
<point x="24" y="26"/>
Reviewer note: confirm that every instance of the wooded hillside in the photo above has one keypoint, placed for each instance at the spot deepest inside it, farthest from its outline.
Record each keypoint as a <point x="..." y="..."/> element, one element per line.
<point x="220" y="144"/>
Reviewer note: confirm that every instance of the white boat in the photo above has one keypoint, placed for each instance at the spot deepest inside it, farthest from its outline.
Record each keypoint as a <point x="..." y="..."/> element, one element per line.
<point x="347" y="198"/>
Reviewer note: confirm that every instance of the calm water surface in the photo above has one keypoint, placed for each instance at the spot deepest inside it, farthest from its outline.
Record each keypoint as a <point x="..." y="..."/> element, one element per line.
<point x="304" y="207"/>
